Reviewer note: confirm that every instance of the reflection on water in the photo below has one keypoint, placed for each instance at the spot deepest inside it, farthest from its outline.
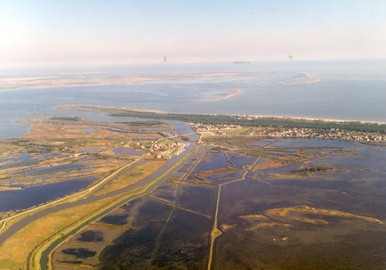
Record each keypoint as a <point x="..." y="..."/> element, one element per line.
<point x="53" y="169"/>
<point x="198" y="198"/>
<point x="212" y="161"/>
<point x="252" y="238"/>
<point x="126" y="151"/>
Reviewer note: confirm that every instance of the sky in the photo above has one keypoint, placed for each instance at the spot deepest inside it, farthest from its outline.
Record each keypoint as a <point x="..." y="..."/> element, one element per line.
<point x="71" y="32"/>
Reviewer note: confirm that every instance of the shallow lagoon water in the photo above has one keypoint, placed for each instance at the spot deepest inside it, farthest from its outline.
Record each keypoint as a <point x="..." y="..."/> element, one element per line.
<point x="126" y="151"/>
<point x="200" y="199"/>
<point x="53" y="169"/>
<point x="286" y="244"/>
<point x="240" y="161"/>
<point x="212" y="161"/>
<point x="13" y="200"/>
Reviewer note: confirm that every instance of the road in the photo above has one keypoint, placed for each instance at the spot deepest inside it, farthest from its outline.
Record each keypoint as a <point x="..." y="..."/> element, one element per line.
<point x="41" y="255"/>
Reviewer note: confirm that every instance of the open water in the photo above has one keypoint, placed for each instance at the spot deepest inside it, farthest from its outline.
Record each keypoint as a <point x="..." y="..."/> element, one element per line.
<point x="351" y="90"/>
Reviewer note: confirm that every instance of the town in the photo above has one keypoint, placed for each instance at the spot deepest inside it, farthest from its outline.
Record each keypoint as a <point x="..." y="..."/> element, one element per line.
<point x="282" y="132"/>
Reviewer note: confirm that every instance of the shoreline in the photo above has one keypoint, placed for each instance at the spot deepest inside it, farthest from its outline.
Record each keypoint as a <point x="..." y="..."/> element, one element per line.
<point x="67" y="107"/>
<point x="333" y="120"/>
<point x="286" y="117"/>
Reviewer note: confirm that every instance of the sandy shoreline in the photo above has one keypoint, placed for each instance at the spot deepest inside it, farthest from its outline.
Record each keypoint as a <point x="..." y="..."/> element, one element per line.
<point x="63" y="80"/>
<point x="310" y="79"/>
<point x="86" y="107"/>
<point x="232" y="93"/>
<point x="315" y="119"/>
<point x="28" y="83"/>
<point x="95" y="107"/>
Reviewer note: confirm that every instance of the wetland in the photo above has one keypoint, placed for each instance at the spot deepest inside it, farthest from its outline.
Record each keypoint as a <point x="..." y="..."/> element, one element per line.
<point x="270" y="204"/>
<point x="160" y="195"/>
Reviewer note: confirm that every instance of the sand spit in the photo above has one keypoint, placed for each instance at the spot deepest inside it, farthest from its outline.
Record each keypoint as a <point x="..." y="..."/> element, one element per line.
<point x="310" y="79"/>
<point x="296" y="79"/>
<point x="231" y="94"/>
<point x="63" y="80"/>
<point x="26" y="83"/>
<point x="69" y="107"/>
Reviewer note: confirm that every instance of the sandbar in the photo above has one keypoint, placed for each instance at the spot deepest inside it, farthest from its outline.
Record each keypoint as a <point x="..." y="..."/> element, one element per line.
<point x="231" y="94"/>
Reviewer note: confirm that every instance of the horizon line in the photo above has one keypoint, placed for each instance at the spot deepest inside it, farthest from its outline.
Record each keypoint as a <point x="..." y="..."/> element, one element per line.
<point x="161" y="63"/>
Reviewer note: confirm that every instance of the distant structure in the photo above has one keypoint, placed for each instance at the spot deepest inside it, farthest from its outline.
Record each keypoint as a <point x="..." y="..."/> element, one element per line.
<point x="165" y="60"/>
<point x="290" y="57"/>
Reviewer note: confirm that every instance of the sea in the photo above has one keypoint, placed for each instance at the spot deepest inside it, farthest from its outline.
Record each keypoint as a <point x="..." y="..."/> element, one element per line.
<point x="341" y="89"/>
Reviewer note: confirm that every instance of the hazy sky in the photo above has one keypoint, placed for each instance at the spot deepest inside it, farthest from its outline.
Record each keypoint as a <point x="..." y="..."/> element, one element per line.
<point x="143" y="31"/>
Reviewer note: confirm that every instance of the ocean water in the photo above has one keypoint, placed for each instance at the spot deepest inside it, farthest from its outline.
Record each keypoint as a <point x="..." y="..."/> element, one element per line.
<point x="351" y="90"/>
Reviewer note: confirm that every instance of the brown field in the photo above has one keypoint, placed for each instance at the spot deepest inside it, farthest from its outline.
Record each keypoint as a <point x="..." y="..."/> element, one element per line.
<point x="266" y="164"/>
<point x="296" y="212"/>
<point x="131" y="176"/>
<point x="217" y="171"/>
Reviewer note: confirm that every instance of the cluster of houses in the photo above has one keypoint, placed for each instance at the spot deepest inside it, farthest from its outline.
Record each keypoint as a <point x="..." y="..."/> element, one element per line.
<point x="331" y="134"/>
<point x="166" y="150"/>
<point x="199" y="127"/>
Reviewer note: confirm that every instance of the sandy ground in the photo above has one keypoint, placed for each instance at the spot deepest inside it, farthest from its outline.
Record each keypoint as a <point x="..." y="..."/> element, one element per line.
<point x="231" y="94"/>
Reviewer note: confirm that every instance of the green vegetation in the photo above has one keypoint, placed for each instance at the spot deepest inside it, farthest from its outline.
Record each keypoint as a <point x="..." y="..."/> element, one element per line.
<point x="79" y="252"/>
<point x="144" y="123"/>
<point x="246" y="121"/>
<point x="312" y="170"/>
<point x="66" y="118"/>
